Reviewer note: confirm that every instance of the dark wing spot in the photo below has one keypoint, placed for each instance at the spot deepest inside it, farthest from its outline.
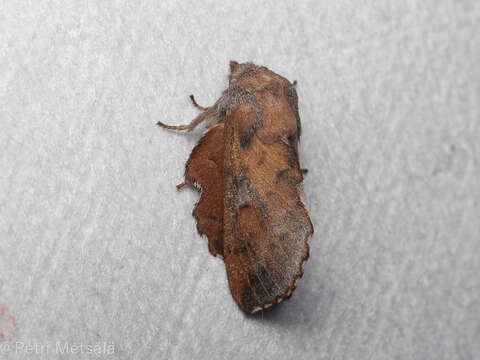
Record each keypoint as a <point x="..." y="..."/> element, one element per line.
<point x="261" y="223"/>
<point x="260" y="291"/>
<point x="239" y="250"/>
<point x="257" y="124"/>
<point x="265" y="279"/>
<point x="281" y="175"/>
<point x="292" y="98"/>
<point x="290" y="150"/>
<point x="292" y="159"/>
<point x="248" y="298"/>
<point x="299" y="204"/>
<point x="260" y="204"/>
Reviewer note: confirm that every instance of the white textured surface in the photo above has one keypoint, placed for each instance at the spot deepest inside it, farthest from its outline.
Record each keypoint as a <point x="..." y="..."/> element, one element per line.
<point x="96" y="245"/>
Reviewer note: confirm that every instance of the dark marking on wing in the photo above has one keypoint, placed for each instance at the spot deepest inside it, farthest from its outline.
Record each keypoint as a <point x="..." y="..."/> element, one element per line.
<point x="299" y="203"/>
<point x="281" y="175"/>
<point x="260" y="204"/>
<point x="290" y="150"/>
<point x="265" y="280"/>
<point x="262" y="223"/>
<point x="239" y="250"/>
<point x="292" y="98"/>
<point x="258" y="287"/>
<point x="248" y="298"/>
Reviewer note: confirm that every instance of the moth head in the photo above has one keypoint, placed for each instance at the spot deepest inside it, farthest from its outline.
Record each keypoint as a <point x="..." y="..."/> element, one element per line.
<point x="238" y="70"/>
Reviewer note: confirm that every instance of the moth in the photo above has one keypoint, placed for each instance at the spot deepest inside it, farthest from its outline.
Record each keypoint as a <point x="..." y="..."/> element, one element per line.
<point x="246" y="166"/>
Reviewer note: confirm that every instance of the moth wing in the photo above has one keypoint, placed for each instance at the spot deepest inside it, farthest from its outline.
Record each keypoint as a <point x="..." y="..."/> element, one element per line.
<point x="266" y="225"/>
<point x="204" y="170"/>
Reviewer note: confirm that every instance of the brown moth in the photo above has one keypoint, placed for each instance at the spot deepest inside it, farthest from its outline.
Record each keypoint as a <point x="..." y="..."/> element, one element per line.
<point x="246" y="167"/>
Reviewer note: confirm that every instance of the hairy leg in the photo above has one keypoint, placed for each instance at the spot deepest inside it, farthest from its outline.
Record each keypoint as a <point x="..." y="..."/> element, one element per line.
<point x="209" y="113"/>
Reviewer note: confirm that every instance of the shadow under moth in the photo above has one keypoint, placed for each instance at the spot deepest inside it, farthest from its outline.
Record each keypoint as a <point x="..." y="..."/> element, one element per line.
<point x="246" y="167"/>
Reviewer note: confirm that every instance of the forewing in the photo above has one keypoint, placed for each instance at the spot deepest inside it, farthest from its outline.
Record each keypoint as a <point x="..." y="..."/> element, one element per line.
<point x="266" y="225"/>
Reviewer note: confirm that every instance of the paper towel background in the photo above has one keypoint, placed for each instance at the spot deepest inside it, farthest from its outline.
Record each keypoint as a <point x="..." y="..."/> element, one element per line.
<point x="96" y="244"/>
